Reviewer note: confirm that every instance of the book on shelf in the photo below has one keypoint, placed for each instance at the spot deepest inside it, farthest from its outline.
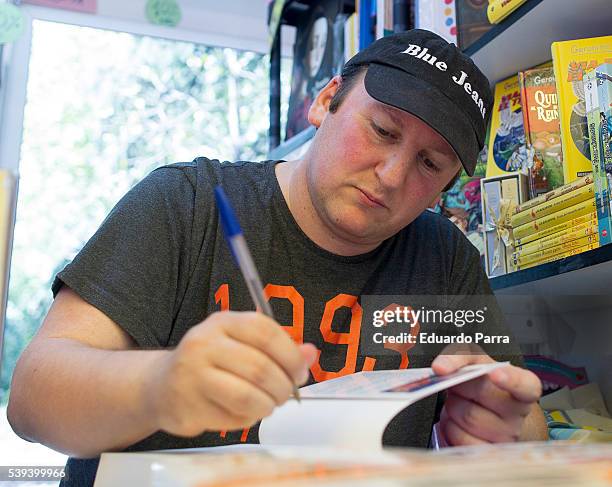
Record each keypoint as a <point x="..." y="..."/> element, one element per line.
<point x="561" y="216"/>
<point x="384" y="18"/>
<point x="571" y="61"/>
<point x="313" y="61"/>
<point x="589" y="218"/>
<point x="551" y="206"/>
<point x="555" y="193"/>
<point x="498" y="10"/>
<point x="561" y="255"/>
<point x="351" y="36"/>
<point x="519" y="258"/>
<point x="603" y="75"/>
<point x="542" y="133"/>
<point x="602" y="191"/>
<point x="437" y="16"/>
<point x="582" y="230"/>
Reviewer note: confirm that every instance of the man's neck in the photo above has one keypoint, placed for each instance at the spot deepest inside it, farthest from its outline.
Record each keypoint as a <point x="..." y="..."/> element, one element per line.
<point x="293" y="182"/>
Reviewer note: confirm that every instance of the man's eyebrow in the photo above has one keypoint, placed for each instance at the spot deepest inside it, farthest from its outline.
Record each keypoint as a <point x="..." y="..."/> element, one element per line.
<point x="391" y="112"/>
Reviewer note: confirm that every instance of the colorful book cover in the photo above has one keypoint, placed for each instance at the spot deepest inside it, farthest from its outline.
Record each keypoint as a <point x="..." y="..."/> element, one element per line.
<point x="582" y="230"/>
<point x="313" y="61"/>
<point x="602" y="193"/>
<point x="590" y="218"/>
<point x="507" y="151"/>
<point x="556" y="204"/>
<point x="542" y="133"/>
<point x="571" y="61"/>
<point x="437" y="16"/>
<point x="603" y="75"/>
<point x="561" y="255"/>
<point x="555" y="193"/>
<point x="472" y="21"/>
<point x="543" y="254"/>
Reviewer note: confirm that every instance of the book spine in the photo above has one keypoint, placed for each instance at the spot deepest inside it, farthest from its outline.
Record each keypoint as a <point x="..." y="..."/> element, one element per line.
<point x="590" y="218"/>
<point x="553" y="219"/>
<point x="555" y="193"/>
<point x="498" y="10"/>
<point x="552" y="251"/>
<point x="556" y="239"/>
<point x="600" y="181"/>
<point x="559" y="256"/>
<point x="553" y="205"/>
<point x="604" y="91"/>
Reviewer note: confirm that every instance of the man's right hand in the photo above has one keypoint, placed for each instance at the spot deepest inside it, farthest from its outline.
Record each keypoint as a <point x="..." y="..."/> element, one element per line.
<point x="227" y="373"/>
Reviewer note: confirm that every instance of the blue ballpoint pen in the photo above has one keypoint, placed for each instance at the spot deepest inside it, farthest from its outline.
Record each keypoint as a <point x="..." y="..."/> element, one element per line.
<point x="238" y="246"/>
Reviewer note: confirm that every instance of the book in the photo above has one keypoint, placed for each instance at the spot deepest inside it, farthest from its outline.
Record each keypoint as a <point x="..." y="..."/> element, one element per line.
<point x="542" y="133"/>
<point x="602" y="192"/>
<point x="437" y="16"/>
<point x="553" y="219"/>
<point x="472" y="21"/>
<point x="571" y="60"/>
<point x="329" y="411"/>
<point x="8" y="195"/>
<point x="313" y="61"/>
<point x="498" y="10"/>
<point x="554" y="205"/>
<point x="603" y="75"/>
<point x="351" y="36"/>
<point x="582" y="230"/>
<point x="384" y="18"/>
<point x="507" y="151"/>
<point x="590" y="218"/>
<point x="555" y="193"/>
<point x="559" y="256"/>
<point x="522" y="259"/>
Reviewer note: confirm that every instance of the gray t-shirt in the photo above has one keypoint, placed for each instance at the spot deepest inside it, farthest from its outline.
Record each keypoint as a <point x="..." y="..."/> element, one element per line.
<point x="159" y="265"/>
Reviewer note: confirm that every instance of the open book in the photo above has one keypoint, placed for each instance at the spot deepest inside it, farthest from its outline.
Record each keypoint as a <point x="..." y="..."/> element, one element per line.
<point x="353" y="411"/>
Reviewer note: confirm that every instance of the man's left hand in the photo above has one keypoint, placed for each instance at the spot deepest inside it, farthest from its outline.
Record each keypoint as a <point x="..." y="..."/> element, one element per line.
<point x="489" y="409"/>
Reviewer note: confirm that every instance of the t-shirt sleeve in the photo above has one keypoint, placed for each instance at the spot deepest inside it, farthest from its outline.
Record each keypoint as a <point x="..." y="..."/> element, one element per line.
<point x="134" y="268"/>
<point x="468" y="280"/>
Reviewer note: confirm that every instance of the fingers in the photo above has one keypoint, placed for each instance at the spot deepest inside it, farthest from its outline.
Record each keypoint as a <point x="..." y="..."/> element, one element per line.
<point x="453" y="357"/>
<point x="482" y="423"/>
<point x="454" y="434"/>
<point x="266" y="335"/>
<point x="523" y="385"/>
<point x="254" y="366"/>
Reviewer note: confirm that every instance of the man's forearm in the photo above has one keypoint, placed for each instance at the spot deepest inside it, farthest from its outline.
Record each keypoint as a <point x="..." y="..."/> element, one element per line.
<point x="534" y="427"/>
<point x="80" y="400"/>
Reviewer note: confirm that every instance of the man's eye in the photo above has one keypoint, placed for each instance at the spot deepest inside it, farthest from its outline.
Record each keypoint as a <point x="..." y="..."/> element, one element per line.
<point x="382" y="132"/>
<point x="430" y="165"/>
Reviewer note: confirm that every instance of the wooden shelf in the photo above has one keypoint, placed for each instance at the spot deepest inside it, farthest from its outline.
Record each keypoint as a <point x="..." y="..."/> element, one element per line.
<point x="523" y="39"/>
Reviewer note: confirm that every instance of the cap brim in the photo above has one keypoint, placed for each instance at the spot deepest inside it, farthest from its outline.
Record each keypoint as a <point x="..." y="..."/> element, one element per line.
<point x="402" y="90"/>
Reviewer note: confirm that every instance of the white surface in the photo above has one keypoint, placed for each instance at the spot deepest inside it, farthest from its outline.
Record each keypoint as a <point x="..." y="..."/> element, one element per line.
<point x="527" y="42"/>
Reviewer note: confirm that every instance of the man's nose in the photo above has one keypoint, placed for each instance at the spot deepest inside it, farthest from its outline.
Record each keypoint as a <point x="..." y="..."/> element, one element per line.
<point x="392" y="172"/>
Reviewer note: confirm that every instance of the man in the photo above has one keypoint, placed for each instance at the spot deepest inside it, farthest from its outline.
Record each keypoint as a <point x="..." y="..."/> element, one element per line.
<point x="132" y="354"/>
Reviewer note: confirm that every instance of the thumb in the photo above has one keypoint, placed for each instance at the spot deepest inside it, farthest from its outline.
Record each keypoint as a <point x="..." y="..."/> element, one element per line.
<point x="309" y="352"/>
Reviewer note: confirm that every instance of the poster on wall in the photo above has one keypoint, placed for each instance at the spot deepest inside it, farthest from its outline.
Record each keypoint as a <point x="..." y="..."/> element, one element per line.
<point x="88" y="6"/>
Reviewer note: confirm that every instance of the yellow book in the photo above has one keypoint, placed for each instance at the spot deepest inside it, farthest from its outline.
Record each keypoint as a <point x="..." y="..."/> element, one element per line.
<point x="555" y="193"/>
<point x="498" y="10"/>
<point x="590" y="218"/>
<point x="546" y="253"/>
<point x="553" y="219"/>
<point x="571" y="60"/>
<point x="562" y="255"/>
<point x="551" y="206"/>
<point x="555" y="239"/>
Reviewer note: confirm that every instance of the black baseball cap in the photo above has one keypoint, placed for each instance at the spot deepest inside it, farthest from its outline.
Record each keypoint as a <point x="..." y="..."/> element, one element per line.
<point x="421" y="73"/>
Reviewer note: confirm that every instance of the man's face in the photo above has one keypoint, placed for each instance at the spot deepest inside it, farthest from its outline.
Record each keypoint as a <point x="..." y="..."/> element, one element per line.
<point x="373" y="168"/>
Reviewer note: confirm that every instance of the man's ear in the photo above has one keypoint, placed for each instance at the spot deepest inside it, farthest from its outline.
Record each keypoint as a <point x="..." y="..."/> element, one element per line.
<point x="320" y="105"/>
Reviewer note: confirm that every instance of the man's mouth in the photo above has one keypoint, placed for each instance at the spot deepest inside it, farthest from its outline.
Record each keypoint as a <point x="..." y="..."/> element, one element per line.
<point x="372" y="200"/>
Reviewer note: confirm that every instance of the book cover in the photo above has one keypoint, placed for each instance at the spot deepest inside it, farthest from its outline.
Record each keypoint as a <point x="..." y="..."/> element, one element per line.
<point x="561" y="255"/>
<point x="602" y="194"/>
<point x="555" y="193"/>
<point x="571" y="61"/>
<point x="437" y="16"/>
<point x="384" y="18"/>
<point x="551" y="206"/>
<point x="582" y="230"/>
<point x="472" y="21"/>
<point x="507" y="151"/>
<point x="542" y="133"/>
<point x="313" y="61"/>
<point x="523" y="259"/>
